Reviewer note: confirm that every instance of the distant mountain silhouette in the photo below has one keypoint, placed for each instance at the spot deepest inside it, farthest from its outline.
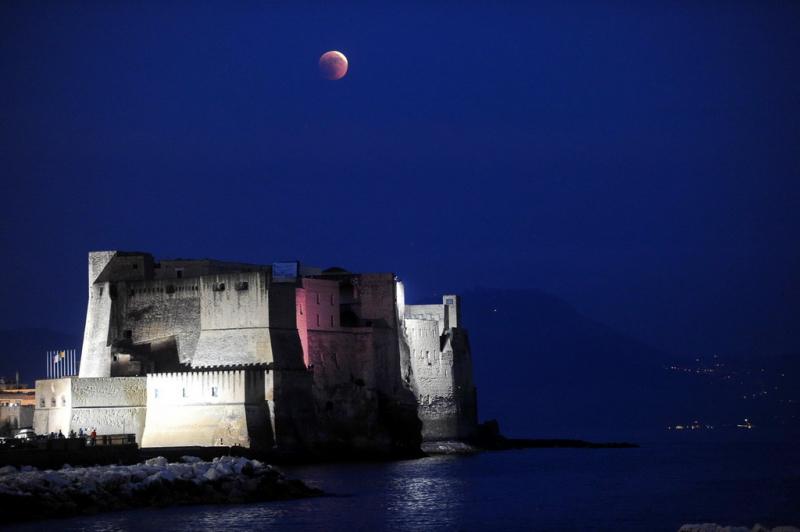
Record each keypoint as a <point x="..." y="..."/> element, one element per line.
<point x="24" y="350"/>
<point x="543" y="369"/>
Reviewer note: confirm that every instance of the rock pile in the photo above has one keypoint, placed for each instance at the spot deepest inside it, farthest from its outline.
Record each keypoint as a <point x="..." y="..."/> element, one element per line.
<point x="28" y="493"/>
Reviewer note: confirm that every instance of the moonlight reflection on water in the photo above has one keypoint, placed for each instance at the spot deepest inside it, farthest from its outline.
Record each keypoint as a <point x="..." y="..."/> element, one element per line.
<point x="656" y="487"/>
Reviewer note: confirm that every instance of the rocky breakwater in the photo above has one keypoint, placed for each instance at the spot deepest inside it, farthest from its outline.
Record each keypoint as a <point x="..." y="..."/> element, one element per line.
<point x="29" y="493"/>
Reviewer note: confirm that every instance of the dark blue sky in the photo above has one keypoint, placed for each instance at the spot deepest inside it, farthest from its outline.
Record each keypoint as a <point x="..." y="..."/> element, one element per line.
<point x="639" y="161"/>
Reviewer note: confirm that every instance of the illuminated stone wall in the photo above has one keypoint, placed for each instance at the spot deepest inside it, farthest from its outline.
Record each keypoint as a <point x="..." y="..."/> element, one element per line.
<point x="441" y="370"/>
<point x="110" y="405"/>
<point x="234" y="320"/>
<point x="207" y="408"/>
<point x="346" y="361"/>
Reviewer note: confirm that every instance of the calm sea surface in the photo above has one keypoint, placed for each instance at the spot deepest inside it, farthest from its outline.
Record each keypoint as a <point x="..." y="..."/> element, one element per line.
<point x="657" y="487"/>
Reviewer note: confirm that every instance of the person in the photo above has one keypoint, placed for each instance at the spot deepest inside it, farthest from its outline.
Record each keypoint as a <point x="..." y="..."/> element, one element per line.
<point x="80" y="432"/>
<point x="94" y="437"/>
<point x="71" y="434"/>
<point x="60" y="435"/>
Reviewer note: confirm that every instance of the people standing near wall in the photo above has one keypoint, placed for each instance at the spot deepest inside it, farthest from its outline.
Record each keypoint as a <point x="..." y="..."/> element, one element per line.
<point x="93" y="437"/>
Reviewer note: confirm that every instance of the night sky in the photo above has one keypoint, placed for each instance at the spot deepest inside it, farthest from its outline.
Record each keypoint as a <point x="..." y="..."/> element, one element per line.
<point x="639" y="161"/>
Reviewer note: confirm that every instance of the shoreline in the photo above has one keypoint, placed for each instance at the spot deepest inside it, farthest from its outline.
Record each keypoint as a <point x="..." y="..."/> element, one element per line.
<point x="129" y="454"/>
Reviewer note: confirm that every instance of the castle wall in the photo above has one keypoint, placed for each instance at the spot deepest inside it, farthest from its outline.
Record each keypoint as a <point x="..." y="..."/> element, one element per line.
<point x="321" y="305"/>
<point x="441" y="370"/>
<point x="234" y="300"/>
<point x="292" y="412"/>
<point x="110" y="405"/>
<point x="96" y="351"/>
<point x="435" y="313"/>
<point x="377" y="298"/>
<point x="234" y="320"/>
<point x="207" y="408"/>
<point x="433" y="368"/>
<point x="16" y="416"/>
<point x="149" y="311"/>
<point x="341" y="359"/>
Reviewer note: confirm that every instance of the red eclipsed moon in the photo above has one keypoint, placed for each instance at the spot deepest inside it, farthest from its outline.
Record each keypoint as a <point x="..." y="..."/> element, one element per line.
<point x="333" y="65"/>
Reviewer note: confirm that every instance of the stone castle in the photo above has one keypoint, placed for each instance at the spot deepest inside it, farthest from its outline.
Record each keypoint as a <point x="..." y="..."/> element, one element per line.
<point x="281" y="357"/>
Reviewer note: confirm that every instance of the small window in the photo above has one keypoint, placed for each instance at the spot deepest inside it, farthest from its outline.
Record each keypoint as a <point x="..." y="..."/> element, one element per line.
<point x="183" y="393"/>
<point x="170" y="289"/>
<point x="301" y="309"/>
<point x="331" y="299"/>
<point x="179" y="273"/>
<point x="331" y="321"/>
<point x="317" y="294"/>
<point x="52" y="401"/>
<point x="128" y="334"/>
<point x="219" y="287"/>
<point x="41" y="402"/>
<point x="155" y="393"/>
<point x="63" y="401"/>
<point x="214" y="391"/>
<point x="242" y="285"/>
<point x="317" y="320"/>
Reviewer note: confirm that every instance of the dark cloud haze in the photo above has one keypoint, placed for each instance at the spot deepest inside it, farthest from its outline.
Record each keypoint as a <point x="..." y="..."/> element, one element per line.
<point x="640" y="161"/>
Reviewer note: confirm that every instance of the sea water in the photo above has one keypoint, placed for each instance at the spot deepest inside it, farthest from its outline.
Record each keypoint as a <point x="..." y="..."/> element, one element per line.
<point x="658" y="486"/>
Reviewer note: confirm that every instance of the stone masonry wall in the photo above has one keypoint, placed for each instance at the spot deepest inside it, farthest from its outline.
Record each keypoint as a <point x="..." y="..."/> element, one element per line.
<point x="155" y="310"/>
<point x="209" y="408"/>
<point x="234" y="320"/>
<point x="109" y="405"/>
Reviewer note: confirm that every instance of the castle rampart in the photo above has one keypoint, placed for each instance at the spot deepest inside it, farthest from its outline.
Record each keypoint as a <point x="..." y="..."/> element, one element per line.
<point x="279" y="356"/>
<point x="110" y="405"/>
<point x="207" y="408"/>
